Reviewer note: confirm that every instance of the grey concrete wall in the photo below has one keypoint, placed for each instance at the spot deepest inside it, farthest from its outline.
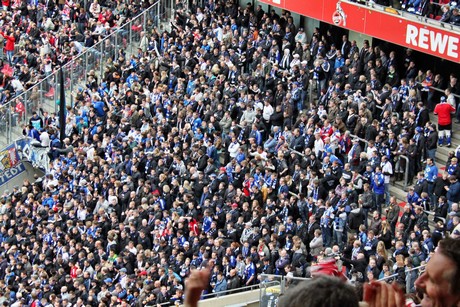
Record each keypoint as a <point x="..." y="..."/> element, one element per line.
<point x="249" y="298"/>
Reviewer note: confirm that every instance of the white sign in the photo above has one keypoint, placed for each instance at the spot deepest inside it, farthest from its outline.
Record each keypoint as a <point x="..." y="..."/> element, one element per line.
<point x="433" y="41"/>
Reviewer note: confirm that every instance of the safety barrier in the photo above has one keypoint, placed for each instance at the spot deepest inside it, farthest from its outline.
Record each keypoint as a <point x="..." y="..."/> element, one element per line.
<point x="90" y="63"/>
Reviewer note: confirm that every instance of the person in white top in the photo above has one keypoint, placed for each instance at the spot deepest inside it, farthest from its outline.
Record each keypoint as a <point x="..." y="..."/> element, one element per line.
<point x="95" y="9"/>
<point x="45" y="139"/>
<point x="450" y="97"/>
<point x="387" y="171"/>
<point x="233" y="147"/>
<point x="267" y="110"/>
<point x="319" y="144"/>
<point x="17" y="85"/>
<point x="301" y="37"/>
<point x="295" y="62"/>
<point x="371" y="149"/>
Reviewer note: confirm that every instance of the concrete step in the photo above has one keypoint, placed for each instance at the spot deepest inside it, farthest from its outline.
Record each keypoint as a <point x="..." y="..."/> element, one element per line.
<point x="398" y="190"/>
<point x="443" y="152"/>
<point x="455" y="129"/>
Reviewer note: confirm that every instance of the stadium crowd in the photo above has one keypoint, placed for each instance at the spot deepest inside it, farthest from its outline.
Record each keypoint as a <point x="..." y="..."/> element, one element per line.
<point x="443" y="10"/>
<point x="204" y="149"/>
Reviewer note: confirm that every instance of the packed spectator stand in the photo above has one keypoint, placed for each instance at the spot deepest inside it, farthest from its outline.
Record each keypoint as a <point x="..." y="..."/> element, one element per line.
<point x="445" y="11"/>
<point x="234" y="142"/>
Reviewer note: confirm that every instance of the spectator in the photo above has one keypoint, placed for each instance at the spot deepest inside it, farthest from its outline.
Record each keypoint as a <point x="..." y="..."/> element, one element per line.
<point x="9" y="46"/>
<point x="187" y="163"/>
<point x="453" y="191"/>
<point x="442" y="292"/>
<point x="444" y="111"/>
<point x="455" y="17"/>
<point x="318" y="292"/>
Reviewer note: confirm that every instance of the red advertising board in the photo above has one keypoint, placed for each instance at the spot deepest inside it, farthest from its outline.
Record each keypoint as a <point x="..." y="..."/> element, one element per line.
<point x="386" y="26"/>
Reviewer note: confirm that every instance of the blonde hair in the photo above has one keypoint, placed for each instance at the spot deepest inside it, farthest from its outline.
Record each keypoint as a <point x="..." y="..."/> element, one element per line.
<point x="381" y="250"/>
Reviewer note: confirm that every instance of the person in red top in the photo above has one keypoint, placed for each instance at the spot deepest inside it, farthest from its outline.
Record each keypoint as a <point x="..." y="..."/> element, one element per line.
<point x="9" y="47"/>
<point x="20" y="109"/>
<point x="444" y="111"/>
<point x="6" y="4"/>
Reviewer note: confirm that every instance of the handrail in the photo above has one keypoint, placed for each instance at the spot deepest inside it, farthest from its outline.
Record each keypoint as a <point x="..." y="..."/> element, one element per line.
<point x="283" y="277"/>
<point x="43" y="83"/>
<point x="406" y="175"/>
<point x="406" y="271"/>
<point x="354" y="136"/>
<point x="408" y="15"/>
<point x="359" y="139"/>
<point x="438" y="89"/>
<point x="297" y="152"/>
<point x="241" y="289"/>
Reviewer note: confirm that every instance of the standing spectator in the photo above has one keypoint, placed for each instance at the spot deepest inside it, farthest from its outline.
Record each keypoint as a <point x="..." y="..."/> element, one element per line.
<point x="249" y="272"/>
<point x="431" y="142"/>
<point x="440" y="209"/>
<point x="9" y="46"/>
<point x="392" y="213"/>
<point x="36" y="121"/>
<point x="376" y="223"/>
<point x="339" y="225"/>
<point x="327" y="219"/>
<point x="453" y="191"/>
<point x="387" y="170"/>
<point x="378" y="187"/>
<point x="444" y="111"/>
<point x="431" y="173"/>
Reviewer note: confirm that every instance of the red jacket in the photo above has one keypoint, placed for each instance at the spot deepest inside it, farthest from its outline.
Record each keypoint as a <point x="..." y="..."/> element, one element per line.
<point x="444" y="111"/>
<point x="9" y="42"/>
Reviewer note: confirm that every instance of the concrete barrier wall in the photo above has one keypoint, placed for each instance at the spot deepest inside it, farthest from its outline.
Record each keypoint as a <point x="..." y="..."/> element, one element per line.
<point x="249" y="298"/>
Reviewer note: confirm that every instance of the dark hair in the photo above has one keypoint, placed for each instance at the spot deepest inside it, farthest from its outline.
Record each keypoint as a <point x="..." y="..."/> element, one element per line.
<point x="451" y="248"/>
<point x="321" y="291"/>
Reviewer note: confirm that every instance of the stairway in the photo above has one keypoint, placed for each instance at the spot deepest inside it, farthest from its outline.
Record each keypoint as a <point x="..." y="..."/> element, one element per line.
<point x="397" y="189"/>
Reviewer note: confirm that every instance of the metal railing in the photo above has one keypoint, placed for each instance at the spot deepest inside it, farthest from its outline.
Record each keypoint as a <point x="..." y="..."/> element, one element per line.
<point x="406" y="173"/>
<point x="233" y="291"/>
<point x="407" y="15"/>
<point x="437" y="89"/>
<point x="421" y="269"/>
<point x="90" y="63"/>
<point x="283" y="281"/>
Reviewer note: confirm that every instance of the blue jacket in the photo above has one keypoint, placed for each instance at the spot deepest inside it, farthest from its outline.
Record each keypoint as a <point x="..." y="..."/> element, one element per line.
<point x="378" y="183"/>
<point x="453" y="194"/>
<point x="431" y="173"/>
<point x="220" y="285"/>
<point x="412" y="199"/>
<point x="99" y="107"/>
